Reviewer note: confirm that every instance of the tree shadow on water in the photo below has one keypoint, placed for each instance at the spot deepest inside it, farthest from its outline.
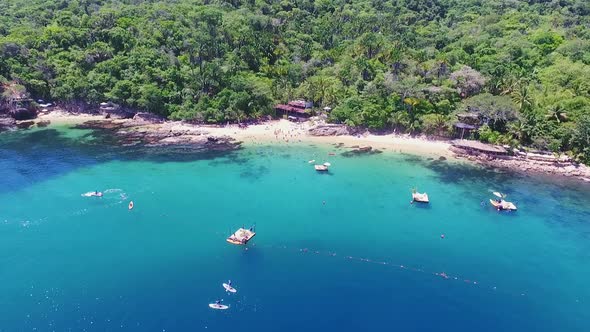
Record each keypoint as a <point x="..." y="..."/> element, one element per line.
<point x="29" y="157"/>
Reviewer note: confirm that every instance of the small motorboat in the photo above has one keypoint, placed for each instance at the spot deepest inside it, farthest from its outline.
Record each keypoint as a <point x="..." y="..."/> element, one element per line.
<point x="500" y="204"/>
<point x="92" y="194"/>
<point x="131" y="205"/>
<point x="241" y="236"/>
<point x="321" y="168"/>
<point x="420" y="198"/>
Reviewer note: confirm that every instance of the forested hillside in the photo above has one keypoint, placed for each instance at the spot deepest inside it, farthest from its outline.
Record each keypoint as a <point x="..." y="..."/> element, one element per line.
<point x="521" y="66"/>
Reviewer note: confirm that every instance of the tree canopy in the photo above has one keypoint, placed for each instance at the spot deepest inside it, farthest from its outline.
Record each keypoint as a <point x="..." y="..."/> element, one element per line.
<point x="408" y="65"/>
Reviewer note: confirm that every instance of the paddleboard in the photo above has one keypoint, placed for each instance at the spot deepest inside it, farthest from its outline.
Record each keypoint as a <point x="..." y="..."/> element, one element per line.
<point x="229" y="288"/>
<point x="218" y="306"/>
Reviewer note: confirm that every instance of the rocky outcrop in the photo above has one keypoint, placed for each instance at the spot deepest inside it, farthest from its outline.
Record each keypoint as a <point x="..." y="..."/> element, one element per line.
<point x="528" y="166"/>
<point x="42" y="124"/>
<point x="23" y="113"/>
<point x="25" y="124"/>
<point x="148" y="117"/>
<point x="151" y="137"/>
<point x="360" y="150"/>
<point x="7" y="123"/>
<point x="330" y="130"/>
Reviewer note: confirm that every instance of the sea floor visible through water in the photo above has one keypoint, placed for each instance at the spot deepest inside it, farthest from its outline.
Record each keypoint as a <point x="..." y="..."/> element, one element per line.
<point x="338" y="251"/>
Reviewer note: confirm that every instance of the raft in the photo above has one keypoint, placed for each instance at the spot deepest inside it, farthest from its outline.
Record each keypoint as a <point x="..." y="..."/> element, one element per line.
<point x="241" y="236"/>
<point x="503" y="205"/>
<point x="420" y="198"/>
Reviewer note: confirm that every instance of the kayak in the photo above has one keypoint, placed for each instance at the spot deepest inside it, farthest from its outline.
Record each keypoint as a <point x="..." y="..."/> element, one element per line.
<point x="131" y="205"/>
<point x="218" y="306"/>
<point x="229" y="288"/>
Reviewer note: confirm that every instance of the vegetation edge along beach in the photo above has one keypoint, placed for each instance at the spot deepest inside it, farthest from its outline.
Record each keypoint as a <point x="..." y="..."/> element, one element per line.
<point x="142" y="129"/>
<point x="511" y="74"/>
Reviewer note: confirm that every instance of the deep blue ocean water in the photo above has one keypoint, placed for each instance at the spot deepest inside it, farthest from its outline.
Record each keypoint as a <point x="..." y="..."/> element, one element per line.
<point x="364" y="260"/>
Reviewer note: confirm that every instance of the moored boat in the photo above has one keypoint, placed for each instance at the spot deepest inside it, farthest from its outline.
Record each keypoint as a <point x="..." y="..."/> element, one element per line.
<point x="503" y="205"/>
<point x="241" y="236"/>
<point x="500" y="204"/>
<point x="420" y="198"/>
<point x="322" y="168"/>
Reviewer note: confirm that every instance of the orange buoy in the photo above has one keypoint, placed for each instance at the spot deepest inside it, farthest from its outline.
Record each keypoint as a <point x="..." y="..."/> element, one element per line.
<point x="131" y="205"/>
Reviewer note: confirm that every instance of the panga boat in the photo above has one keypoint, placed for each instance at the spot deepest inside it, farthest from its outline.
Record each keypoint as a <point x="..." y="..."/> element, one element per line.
<point x="503" y="205"/>
<point x="420" y="198"/>
<point x="241" y="236"/>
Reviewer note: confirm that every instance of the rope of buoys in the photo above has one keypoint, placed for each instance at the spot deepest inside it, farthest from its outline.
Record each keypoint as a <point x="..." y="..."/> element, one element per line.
<point x="442" y="275"/>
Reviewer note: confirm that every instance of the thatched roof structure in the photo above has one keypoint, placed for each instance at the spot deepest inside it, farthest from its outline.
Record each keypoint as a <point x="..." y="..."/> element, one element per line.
<point x="478" y="146"/>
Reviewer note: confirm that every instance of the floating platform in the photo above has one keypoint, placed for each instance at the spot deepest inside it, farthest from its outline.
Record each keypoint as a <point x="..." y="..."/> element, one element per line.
<point x="420" y="198"/>
<point x="503" y="205"/>
<point x="241" y="236"/>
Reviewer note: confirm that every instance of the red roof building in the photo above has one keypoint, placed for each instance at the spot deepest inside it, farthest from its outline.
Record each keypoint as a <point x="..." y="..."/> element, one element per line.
<point x="297" y="108"/>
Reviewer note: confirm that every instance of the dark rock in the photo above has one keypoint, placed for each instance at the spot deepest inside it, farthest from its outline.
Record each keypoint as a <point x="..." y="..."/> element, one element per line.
<point x="42" y="124"/>
<point x="23" y="113"/>
<point x="148" y="117"/>
<point x="365" y="150"/>
<point x="25" y="124"/>
<point x="99" y="124"/>
<point x="7" y="124"/>
<point x="441" y="158"/>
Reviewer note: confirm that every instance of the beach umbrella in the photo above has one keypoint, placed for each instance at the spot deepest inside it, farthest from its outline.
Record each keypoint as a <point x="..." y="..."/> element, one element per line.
<point x="497" y="194"/>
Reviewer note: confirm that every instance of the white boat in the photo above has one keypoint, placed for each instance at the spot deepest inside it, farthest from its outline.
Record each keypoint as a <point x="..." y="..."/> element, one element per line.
<point x="420" y="198"/>
<point x="321" y="168"/>
<point x="92" y="194"/>
<point x="501" y="204"/>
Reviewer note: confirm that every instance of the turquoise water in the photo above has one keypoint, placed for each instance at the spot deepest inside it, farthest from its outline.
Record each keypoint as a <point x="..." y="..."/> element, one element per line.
<point x="73" y="263"/>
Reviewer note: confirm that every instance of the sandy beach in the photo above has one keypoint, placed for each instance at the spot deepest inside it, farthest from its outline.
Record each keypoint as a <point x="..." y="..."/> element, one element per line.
<point x="283" y="132"/>
<point x="279" y="132"/>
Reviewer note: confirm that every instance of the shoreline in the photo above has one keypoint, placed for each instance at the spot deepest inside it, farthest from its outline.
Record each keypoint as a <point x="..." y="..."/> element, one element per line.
<point x="284" y="132"/>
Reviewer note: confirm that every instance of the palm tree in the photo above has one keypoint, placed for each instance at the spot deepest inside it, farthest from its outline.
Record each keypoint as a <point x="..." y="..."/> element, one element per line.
<point x="556" y="113"/>
<point x="522" y="97"/>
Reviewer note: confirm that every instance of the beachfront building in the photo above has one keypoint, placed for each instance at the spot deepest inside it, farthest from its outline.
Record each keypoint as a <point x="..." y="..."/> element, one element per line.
<point x="467" y="147"/>
<point x="296" y="110"/>
<point x="467" y="124"/>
